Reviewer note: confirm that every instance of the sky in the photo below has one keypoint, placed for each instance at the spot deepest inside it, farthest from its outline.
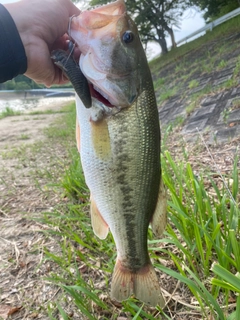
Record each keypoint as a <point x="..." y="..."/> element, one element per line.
<point x="191" y="21"/>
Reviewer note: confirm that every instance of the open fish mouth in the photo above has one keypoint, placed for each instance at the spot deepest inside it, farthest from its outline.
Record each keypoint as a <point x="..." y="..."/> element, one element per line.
<point x="101" y="96"/>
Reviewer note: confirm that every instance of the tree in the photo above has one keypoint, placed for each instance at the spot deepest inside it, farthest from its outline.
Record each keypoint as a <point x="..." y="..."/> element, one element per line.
<point x="154" y="18"/>
<point x="216" y="8"/>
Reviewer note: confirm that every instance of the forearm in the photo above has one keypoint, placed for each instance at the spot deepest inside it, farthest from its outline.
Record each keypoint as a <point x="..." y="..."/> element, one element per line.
<point x="13" y="59"/>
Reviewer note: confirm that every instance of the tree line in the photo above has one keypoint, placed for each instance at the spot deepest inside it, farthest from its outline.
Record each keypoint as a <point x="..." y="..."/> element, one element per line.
<point x="22" y="82"/>
<point x="156" y="18"/>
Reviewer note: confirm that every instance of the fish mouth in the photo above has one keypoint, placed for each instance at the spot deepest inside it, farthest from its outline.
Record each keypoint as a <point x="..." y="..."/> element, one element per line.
<point x="95" y="91"/>
<point x="101" y="96"/>
<point x="108" y="89"/>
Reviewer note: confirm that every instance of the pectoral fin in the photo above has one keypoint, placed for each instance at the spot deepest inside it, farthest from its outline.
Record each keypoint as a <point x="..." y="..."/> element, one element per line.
<point x="100" y="227"/>
<point x="159" y="219"/>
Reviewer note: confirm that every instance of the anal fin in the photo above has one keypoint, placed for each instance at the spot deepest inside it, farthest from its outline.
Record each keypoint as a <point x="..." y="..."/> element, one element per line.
<point x="159" y="219"/>
<point x="143" y="284"/>
<point x="100" y="227"/>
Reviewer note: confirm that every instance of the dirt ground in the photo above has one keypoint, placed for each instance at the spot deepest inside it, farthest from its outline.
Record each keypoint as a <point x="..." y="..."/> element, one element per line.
<point x="23" y="292"/>
<point x="14" y="129"/>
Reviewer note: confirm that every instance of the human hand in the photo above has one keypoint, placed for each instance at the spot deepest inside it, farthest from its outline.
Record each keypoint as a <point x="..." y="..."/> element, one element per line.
<point x="42" y="25"/>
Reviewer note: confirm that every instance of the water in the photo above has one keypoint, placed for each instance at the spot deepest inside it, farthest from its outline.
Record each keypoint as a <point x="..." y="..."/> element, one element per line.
<point x="31" y="99"/>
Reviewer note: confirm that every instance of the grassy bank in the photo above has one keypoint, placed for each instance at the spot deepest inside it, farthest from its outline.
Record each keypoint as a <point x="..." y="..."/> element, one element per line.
<point x="197" y="260"/>
<point x="181" y="73"/>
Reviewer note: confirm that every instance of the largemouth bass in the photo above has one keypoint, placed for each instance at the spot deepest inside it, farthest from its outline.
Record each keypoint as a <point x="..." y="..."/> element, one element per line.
<point x="119" y="143"/>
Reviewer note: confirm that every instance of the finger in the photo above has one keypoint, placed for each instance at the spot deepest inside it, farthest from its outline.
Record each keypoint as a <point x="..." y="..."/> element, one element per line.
<point x="73" y="10"/>
<point x="61" y="43"/>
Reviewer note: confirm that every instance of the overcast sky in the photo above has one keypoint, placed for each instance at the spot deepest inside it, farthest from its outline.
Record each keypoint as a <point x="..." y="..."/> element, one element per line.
<point x="191" y="21"/>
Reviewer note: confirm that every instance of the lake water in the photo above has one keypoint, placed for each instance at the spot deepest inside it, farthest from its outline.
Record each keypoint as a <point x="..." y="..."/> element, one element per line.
<point x="31" y="99"/>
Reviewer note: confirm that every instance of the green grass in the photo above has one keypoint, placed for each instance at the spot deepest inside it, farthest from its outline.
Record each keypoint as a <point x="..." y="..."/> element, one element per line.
<point x="222" y="64"/>
<point x="167" y="93"/>
<point x="209" y="227"/>
<point x="9" y="112"/>
<point x="24" y="136"/>
<point x="199" y="250"/>
<point x="193" y="84"/>
<point x="50" y="111"/>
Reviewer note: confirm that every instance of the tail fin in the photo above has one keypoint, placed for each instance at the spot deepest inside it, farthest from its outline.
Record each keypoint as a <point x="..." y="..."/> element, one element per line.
<point x="142" y="283"/>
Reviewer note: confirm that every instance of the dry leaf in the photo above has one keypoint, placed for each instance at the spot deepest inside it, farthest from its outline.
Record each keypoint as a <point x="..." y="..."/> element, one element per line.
<point x="6" y="310"/>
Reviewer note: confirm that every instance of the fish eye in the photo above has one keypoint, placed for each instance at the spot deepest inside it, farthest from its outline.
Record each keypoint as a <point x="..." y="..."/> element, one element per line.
<point x="128" y="36"/>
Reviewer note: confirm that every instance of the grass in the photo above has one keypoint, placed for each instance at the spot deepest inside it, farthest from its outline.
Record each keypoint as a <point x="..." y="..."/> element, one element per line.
<point x="50" y="111"/>
<point x="9" y="112"/>
<point x="208" y="227"/>
<point x="166" y="94"/>
<point x="193" y="84"/>
<point x="236" y="103"/>
<point x="222" y="64"/>
<point x="24" y="136"/>
<point x="199" y="250"/>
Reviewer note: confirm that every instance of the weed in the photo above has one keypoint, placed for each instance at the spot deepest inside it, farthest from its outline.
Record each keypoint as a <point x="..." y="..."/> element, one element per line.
<point x="237" y="68"/>
<point x="235" y="104"/>
<point x="24" y="136"/>
<point x="229" y="83"/>
<point x="222" y="64"/>
<point x="49" y="111"/>
<point x="200" y="225"/>
<point x="191" y="107"/>
<point x="193" y="84"/>
<point x="14" y="152"/>
<point x="167" y="93"/>
<point x="178" y="121"/>
<point x="73" y="180"/>
<point x="180" y="67"/>
<point x="225" y="115"/>
<point x="38" y="118"/>
<point x="159" y="83"/>
<point x="207" y="67"/>
<point x="8" y="112"/>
